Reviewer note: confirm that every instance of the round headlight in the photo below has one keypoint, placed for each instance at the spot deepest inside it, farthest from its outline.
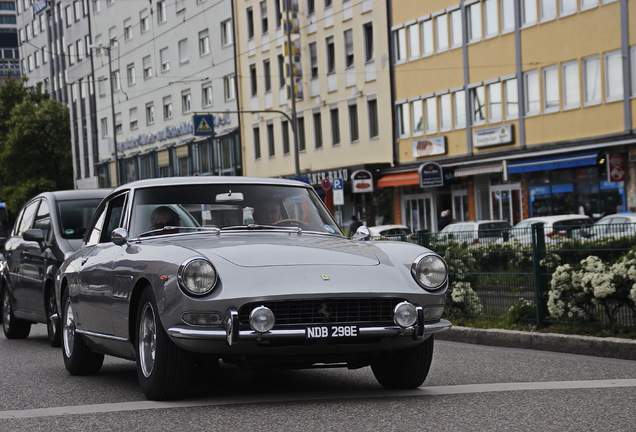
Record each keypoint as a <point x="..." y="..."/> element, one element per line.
<point x="430" y="271"/>
<point x="197" y="276"/>
<point x="262" y="319"/>
<point x="404" y="314"/>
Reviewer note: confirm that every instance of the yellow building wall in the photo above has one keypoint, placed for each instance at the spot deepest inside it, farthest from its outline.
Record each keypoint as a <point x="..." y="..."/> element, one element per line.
<point x="407" y="10"/>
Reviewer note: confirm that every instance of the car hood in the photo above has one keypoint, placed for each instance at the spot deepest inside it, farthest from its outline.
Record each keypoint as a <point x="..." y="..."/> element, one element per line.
<point x="283" y="249"/>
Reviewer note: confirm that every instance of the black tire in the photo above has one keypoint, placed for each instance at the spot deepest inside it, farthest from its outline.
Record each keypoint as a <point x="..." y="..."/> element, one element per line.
<point x="405" y="368"/>
<point x="164" y="370"/>
<point x="53" y="327"/>
<point x="78" y="357"/>
<point x="13" y="327"/>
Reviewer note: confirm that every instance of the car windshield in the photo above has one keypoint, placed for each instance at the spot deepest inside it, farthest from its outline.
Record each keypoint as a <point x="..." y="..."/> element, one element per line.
<point x="74" y="215"/>
<point x="494" y="229"/>
<point x="226" y="206"/>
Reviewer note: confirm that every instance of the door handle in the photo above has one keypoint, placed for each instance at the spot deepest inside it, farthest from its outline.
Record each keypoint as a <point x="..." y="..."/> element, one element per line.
<point x="83" y="261"/>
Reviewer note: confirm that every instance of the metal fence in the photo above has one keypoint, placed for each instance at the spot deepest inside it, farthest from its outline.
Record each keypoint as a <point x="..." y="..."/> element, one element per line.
<point x="512" y="269"/>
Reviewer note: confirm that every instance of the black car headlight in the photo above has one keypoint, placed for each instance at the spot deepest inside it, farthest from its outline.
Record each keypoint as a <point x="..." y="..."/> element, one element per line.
<point x="430" y="271"/>
<point x="197" y="276"/>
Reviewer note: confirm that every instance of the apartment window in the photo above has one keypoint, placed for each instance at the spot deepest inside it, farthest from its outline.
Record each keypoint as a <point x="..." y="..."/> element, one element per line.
<point x="281" y="71"/>
<point x="372" y="111"/>
<point x="133" y="121"/>
<point x="253" y="81"/>
<point x="331" y="56"/>
<point x="144" y="21"/>
<point x="335" y="126"/>
<point x="441" y="32"/>
<point x="403" y="119"/>
<point x="68" y="15"/>
<point x="456" y="34"/>
<point x="507" y="15"/>
<point x="474" y="15"/>
<point x="551" y="96"/>
<point x="491" y="17"/>
<point x="302" y="142"/>
<point x="592" y="80"/>
<point x="278" y="14"/>
<point x="354" y="128"/>
<point x="445" y="112"/>
<point x="161" y="11"/>
<point x="116" y="80"/>
<point x="369" y="50"/>
<point x="428" y="43"/>
<point x="430" y="113"/>
<point x="164" y="59"/>
<point x="317" y="129"/>
<point x="206" y="94"/>
<point x="204" y="42"/>
<point x="400" y="45"/>
<point x="264" y="21"/>
<point x="271" y="143"/>
<point x="147" y="67"/>
<point x="568" y="6"/>
<point x="285" y="132"/>
<point x="226" y="33"/>
<point x="256" y="133"/>
<point x="130" y="74"/>
<point x="348" y="42"/>
<point x="532" y="93"/>
<point x="613" y="76"/>
<point x="495" y="102"/>
<point x="571" y="85"/>
<point x="186" y="101"/>
<point x="313" y="60"/>
<point x="414" y="41"/>
<point x="104" y="127"/>
<point x="459" y="106"/>
<point x="311" y="7"/>
<point x="229" y="91"/>
<point x="418" y="117"/>
<point x="267" y="75"/>
<point x="128" y="32"/>
<point x="586" y="4"/>
<point x="118" y="124"/>
<point x="529" y="12"/>
<point x="71" y="55"/>
<point x="167" y="107"/>
<point x="79" y="46"/>
<point x="101" y="86"/>
<point x="548" y="10"/>
<point x="250" y="22"/>
<point x="478" y="103"/>
<point x="183" y="51"/>
<point x="511" y="98"/>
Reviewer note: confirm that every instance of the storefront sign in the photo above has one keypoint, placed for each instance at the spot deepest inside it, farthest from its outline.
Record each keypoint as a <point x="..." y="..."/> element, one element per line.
<point x="431" y="174"/>
<point x="315" y="178"/>
<point x="615" y="167"/>
<point x="168" y="132"/>
<point x="493" y="136"/>
<point x="361" y="181"/>
<point x="429" y="147"/>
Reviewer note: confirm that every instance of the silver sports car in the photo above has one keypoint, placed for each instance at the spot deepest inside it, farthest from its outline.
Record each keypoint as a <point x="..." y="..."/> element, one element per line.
<point x="243" y="271"/>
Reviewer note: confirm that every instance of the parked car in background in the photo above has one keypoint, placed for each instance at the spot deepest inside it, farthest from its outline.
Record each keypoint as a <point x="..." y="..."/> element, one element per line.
<point x="392" y="232"/>
<point x="473" y="232"/>
<point x="258" y="274"/>
<point x="47" y="230"/>
<point x="615" y="226"/>
<point x="556" y="228"/>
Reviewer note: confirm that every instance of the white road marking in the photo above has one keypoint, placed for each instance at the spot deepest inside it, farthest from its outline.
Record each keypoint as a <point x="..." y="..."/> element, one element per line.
<point x="288" y="397"/>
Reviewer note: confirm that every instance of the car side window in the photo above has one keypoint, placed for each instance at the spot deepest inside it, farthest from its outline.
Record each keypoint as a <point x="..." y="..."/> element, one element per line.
<point x="109" y="218"/>
<point x="43" y="218"/>
<point x="27" y="217"/>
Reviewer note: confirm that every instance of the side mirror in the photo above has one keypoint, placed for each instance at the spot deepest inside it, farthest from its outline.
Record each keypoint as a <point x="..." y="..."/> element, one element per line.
<point x="362" y="234"/>
<point x="119" y="236"/>
<point x="35" y="235"/>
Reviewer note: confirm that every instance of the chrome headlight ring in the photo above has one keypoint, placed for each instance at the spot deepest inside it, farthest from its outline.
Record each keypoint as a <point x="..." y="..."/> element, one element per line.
<point x="430" y="271"/>
<point x="197" y="276"/>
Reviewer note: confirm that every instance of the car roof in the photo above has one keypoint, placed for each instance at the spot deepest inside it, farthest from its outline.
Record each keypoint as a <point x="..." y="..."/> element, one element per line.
<point x="202" y="180"/>
<point x="628" y="215"/>
<point x="73" y="194"/>
<point x="555" y="218"/>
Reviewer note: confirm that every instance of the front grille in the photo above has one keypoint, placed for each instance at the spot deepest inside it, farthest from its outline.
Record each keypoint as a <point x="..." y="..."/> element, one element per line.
<point x="333" y="311"/>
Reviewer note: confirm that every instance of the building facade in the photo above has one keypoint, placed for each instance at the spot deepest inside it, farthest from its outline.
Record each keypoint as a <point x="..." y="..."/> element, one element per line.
<point x="9" y="56"/>
<point x="509" y="109"/>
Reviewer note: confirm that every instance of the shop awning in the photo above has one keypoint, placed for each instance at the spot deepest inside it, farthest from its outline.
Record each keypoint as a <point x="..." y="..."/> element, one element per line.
<point x="553" y="162"/>
<point x="479" y="169"/>
<point x="399" y="179"/>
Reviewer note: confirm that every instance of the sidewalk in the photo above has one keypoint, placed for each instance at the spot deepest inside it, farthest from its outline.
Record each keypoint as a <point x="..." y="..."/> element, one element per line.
<point x="586" y="345"/>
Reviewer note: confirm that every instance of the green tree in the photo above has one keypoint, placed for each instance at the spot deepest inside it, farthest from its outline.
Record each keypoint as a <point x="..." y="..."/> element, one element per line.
<point x="35" y="144"/>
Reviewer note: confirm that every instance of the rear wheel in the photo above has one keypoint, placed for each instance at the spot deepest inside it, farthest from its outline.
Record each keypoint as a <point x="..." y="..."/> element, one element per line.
<point x="53" y="323"/>
<point x="13" y="327"/>
<point x="406" y="368"/>
<point x="164" y="370"/>
<point x="78" y="357"/>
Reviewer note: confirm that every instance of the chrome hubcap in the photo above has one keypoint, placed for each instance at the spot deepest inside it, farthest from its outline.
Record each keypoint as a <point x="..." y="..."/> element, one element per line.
<point x="147" y="342"/>
<point x="68" y="328"/>
<point x="6" y="310"/>
<point x="52" y="312"/>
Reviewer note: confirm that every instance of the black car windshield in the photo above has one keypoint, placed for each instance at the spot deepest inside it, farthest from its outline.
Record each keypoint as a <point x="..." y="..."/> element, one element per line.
<point x="155" y="209"/>
<point x="74" y="215"/>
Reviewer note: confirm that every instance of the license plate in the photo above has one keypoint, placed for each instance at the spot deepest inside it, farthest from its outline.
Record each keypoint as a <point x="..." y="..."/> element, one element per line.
<point x="332" y="331"/>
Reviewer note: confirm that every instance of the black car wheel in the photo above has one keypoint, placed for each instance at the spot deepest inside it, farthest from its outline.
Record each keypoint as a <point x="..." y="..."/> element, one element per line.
<point x="405" y="368"/>
<point x="78" y="358"/>
<point x="164" y="370"/>
<point x="53" y="324"/>
<point x="13" y="327"/>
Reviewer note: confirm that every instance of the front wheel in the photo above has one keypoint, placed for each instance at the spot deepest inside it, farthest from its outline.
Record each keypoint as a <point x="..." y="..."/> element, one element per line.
<point x="13" y="327"/>
<point x="53" y="324"/>
<point x="163" y="369"/>
<point x="406" y="368"/>
<point x="78" y="357"/>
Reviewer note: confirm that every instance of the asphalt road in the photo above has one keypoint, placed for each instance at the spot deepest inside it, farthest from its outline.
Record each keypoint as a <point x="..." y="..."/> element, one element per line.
<point x="469" y="388"/>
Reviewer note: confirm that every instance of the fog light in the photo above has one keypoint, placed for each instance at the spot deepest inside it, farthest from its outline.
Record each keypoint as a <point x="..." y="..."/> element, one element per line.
<point x="262" y="319"/>
<point x="202" y="319"/>
<point x="405" y="314"/>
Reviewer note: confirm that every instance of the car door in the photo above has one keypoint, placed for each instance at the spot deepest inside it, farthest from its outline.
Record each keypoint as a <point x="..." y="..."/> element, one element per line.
<point x="95" y="270"/>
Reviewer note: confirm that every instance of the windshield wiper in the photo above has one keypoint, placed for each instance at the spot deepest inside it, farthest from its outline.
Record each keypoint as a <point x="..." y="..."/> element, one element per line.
<point x="257" y="227"/>
<point x="177" y="230"/>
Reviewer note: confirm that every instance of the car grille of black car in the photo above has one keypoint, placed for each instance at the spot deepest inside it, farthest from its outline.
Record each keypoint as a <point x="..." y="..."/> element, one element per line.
<point x="345" y="310"/>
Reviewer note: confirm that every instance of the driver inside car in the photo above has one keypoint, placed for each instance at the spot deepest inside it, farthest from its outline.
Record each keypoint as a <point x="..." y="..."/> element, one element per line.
<point x="267" y="212"/>
<point x="163" y="216"/>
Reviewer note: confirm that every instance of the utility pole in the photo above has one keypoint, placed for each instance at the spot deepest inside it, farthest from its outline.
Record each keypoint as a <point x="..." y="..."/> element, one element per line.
<point x="292" y="77"/>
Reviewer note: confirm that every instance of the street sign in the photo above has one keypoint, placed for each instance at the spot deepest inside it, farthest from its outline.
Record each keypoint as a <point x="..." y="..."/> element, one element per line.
<point x="338" y="191"/>
<point x="203" y="124"/>
<point x="326" y="184"/>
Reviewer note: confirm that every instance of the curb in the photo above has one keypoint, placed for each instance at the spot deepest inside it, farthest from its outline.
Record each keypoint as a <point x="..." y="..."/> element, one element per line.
<point x="585" y="345"/>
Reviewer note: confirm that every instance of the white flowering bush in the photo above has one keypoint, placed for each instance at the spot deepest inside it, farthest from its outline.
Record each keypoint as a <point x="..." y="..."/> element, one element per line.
<point x="462" y="300"/>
